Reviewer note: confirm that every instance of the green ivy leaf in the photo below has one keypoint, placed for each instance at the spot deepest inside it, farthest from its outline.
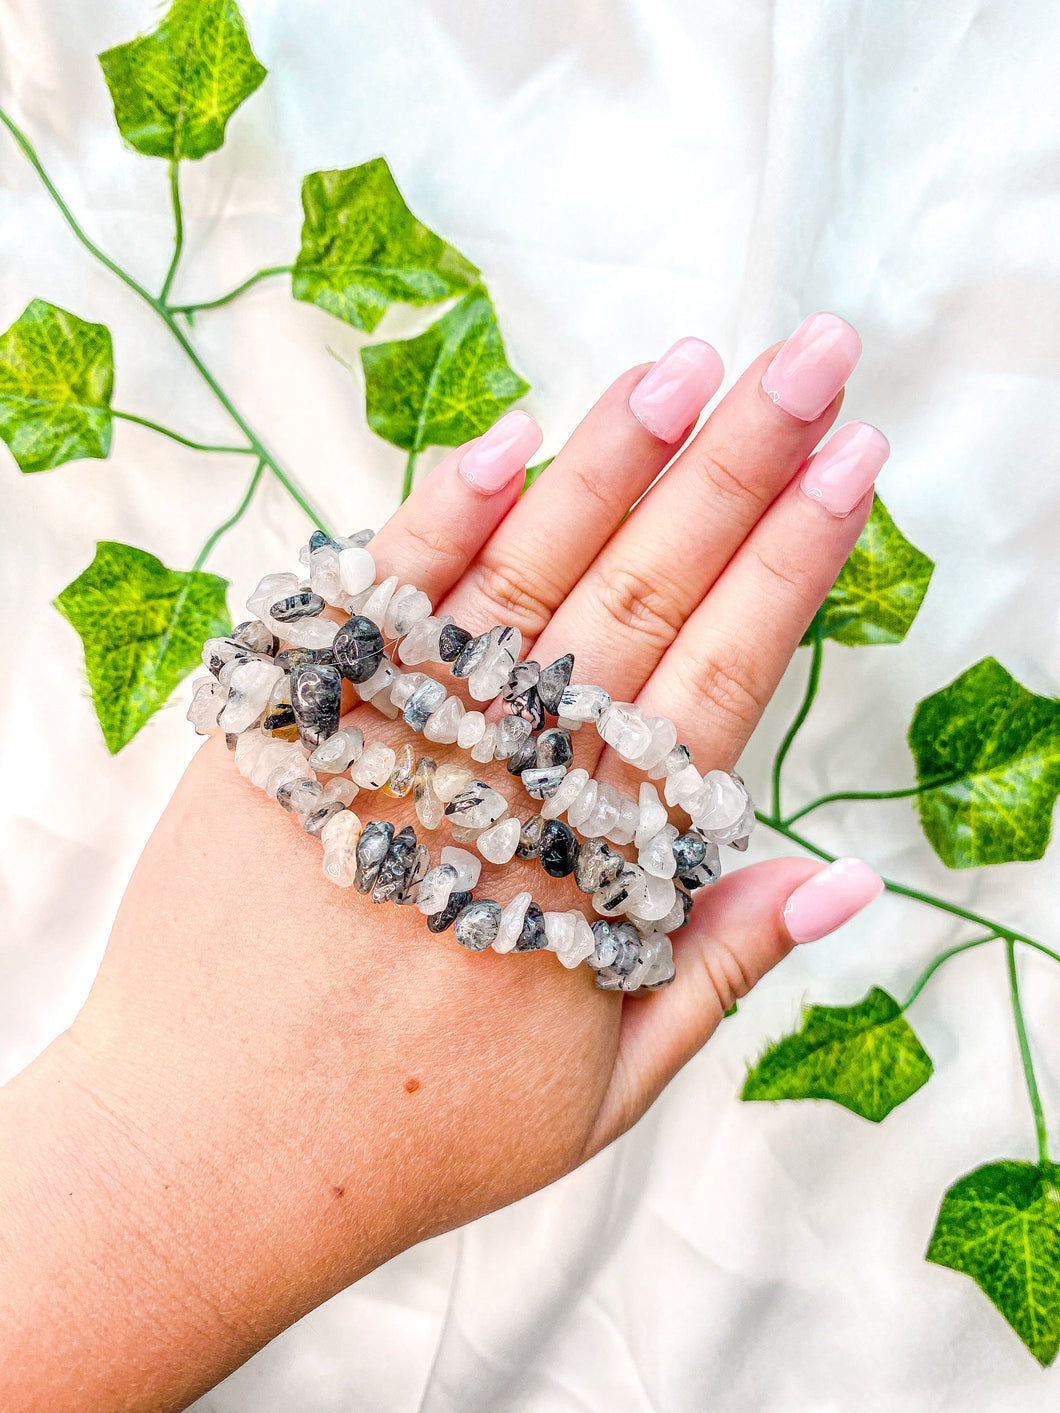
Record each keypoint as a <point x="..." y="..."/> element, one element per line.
<point x="56" y="379"/>
<point x="143" y="627"/>
<point x="363" y="249"/>
<point x="879" y="589"/>
<point x="865" y="1057"/>
<point x="444" y="387"/>
<point x="175" y="89"/>
<point x="1001" y="1225"/>
<point x="532" y="472"/>
<point x="999" y="746"/>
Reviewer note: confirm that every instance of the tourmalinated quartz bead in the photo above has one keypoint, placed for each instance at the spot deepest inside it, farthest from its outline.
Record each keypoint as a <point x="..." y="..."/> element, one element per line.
<point x="553" y="683"/>
<point x="421" y="864"/>
<point x="378" y="601"/>
<point x="521" y="679"/>
<point x="477" y="925"/>
<point x="303" y="604"/>
<point x="314" y="823"/>
<point x="249" y="689"/>
<point x="499" y="843"/>
<point x="512" y="731"/>
<point x="358" y="648"/>
<point x="532" y="938"/>
<point x="339" y="788"/>
<point x="300" y="796"/>
<point x="689" y="851"/>
<point x="316" y="699"/>
<point x="529" y="846"/>
<point x="207" y="705"/>
<point x="559" y="848"/>
<point x="271" y="588"/>
<point x="356" y="570"/>
<point x="583" y="703"/>
<point x="597" y="865"/>
<point x="452" y="641"/>
<point x="484" y="747"/>
<point x="568" y="790"/>
<point x="581" y="808"/>
<point x="402" y="616"/>
<point x="621" y="893"/>
<point x="491" y="672"/>
<point x="324" y="578"/>
<point x="652" y="815"/>
<point x="399" y="782"/>
<point x="656" y="898"/>
<point x="339" y="837"/>
<point x="217" y="653"/>
<point x="541" y="784"/>
<point x="522" y="758"/>
<point x="295" y="657"/>
<point x="671" y="763"/>
<point x="709" y="871"/>
<point x="657" y="857"/>
<point x="580" y="941"/>
<point x="425" y="699"/>
<point x="530" y="707"/>
<point x="511" y="923"/>
<point x="372" y="848"/>
<point x="314" y="633"/>
<point x="429" y="808"/>
<point x="477" y="807"/>
<point x="421" y="641"/>
<point x="435" y="889"/>
<point x="279" y="720"/>
<point x="394" y="871"/>
<point x="443" y="724"/>
<point x="682" y="785"/>
<point x="471" y="729"/>
<point x="554" y="747"/>
<point x="606" y="814"/>
<point x="468" y="867"/>
<point x="612" y="940"/>
<point x="339" y="751"/>
<point x="403" y="686"/>
<point x="382" y="680"/>
<point x="449" y="779"/>
<point x="374" y="767"/>
<point x="255" y="637"/>
<point x="654" y="966"/>
<point x="470" y="656"/>
<point x="623" y="727"/>
<point x="438" y="922"/>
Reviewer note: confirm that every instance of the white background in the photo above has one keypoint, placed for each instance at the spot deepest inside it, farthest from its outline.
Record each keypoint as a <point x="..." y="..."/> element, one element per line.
<point x="624" y="173"/>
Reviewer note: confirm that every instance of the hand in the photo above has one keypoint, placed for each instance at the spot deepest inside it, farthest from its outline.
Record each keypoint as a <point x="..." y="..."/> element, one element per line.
<point x="275" y="1085"/>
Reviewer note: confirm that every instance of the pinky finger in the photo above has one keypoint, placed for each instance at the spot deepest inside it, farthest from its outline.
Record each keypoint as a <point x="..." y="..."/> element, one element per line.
<point x="747" y="923"/>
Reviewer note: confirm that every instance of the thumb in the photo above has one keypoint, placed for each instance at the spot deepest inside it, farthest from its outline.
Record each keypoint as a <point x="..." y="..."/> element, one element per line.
<point x="740" y="929"/>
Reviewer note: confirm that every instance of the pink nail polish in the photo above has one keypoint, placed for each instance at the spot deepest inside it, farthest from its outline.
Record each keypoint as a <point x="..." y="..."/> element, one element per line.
<point x="675" y="390"/>
<point x="845" y="467"/>
<point x="812" y="366"/>
<point x="501" y="453"/>
<point x="830" y="898"/>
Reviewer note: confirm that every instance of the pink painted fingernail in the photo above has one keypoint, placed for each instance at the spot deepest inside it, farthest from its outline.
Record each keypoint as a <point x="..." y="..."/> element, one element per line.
<point x="830" y="898"/>
<point x="675" y="390"/>
<point x="501" y="453"/>
<point x="845" y="467"/>
<point x="812" y="366"/>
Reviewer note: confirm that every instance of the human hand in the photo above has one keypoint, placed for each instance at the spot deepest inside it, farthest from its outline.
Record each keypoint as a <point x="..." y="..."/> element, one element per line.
<point x="290" y="1084"/>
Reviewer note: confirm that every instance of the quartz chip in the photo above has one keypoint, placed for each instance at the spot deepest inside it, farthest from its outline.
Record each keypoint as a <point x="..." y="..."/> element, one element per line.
<point x="372" y="848"/>
<point x="657" y="857"/>
<point x="374" y="767"/>
<point x="358" y="648"/>
<point x="394" y="871"/>
<point x="477" y="807"/>
<point x="356" y="570"/>
<point x="435" y="889"/>
<point x="532" y="937"/>
<point x="438" y="922"/>
<point x="542" y="784"/>
<point x="583" y="703"/>
<point x="529" y="846"/>
<point x="511" y="923"/>
<point x="399" y="782"/>
<point x="207" y="705"/>
<point x="249" y="689"/>
<point x="471" y="729"/>
<point x="477" y="925"/>
<point x="316" y="700"/>
<point x="499" y="842"/>
<point x="339" y="837"/>
<point x="339" y="751"/>
<point x="568" y="790"/>
<point x="559" y="848"/>
<point x="443" y="725"/>
<point x="553" y="683"/>
<point x="467" y="866"/>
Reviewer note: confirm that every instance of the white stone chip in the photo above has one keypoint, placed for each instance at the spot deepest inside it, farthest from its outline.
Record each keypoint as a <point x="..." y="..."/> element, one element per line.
<point x="511" y="924"/>
<point x="324" y="577"/>
<point x="378" y="601"/>
<point x="435" y="888"/>
<point x="652" y="815"/>
<point x="443" y="724"/>
<point x="449" y="779"/>
<point x="356" y="571"/>
<point x="625" y="827"/>
<point x="623" y="727"/>
<point x="467" y="866"/>
<point x="682" y="786"/>
<point x="559" y="931"/>
<point x="656" y="898"/>
<point x="339" y="788"/>
<point x="571" y="786"/>
<point x="583" y="806"/>
<point x="206" y="705"/>
<point x="657" y="855"/>
<point x="373" y="769"/>
<point x="339" y="837"/>
<point x="484" y="747"/>
<point x="582" y="942"/>
<point x="663" y="740"/>
<point x="499" y="843"/>
<point x="250" y="684"/>
<point x="471" y="730"/>
<point x="309" y="632"/>
<point x="339" y="751"/>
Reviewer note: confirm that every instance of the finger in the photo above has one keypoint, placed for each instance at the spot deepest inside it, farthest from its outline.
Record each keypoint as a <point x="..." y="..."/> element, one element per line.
<point x="631" y="604"/>
<point x="730" y="655"/>
<point x="743" y="926"/>
<point x="540" y="550"/>
<point x="432" y="538"/>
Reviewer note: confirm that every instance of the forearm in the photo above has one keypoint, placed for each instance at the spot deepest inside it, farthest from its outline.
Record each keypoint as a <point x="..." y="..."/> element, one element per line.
<point x="139" y="1264"/>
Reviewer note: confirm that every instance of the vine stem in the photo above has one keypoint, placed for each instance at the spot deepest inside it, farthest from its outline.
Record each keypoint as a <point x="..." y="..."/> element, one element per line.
<point x="812" y="684"/>
<point x="933" y="966"/>
<point x="1025" y="1055"/>
<point x="178" y="223"/>
<point x="234" y="518"/>
<point x="166" y="314"/>
<point x="176" y="436"/>
<point x="410" y="470"/>
<point x="904" y="793"/>
<point x="253" y="279"/>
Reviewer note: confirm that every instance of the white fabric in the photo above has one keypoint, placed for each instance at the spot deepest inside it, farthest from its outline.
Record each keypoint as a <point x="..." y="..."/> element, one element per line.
<point x="625" y="172"/>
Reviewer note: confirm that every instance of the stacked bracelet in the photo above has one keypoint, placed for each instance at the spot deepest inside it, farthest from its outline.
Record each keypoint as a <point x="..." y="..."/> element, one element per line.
<point x="280" y="711"/>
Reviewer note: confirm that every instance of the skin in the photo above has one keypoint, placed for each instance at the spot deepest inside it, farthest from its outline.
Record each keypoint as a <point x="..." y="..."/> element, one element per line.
<point x="275" y="1086"/>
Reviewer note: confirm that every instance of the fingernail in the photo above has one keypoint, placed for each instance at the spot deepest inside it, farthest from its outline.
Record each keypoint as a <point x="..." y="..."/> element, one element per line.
<point x="845" y="467"/>
<point x="812" y="366"/>
<point x="499" y="454"/>
<point x="831" y="897"/>
<point x="677" y="387"/>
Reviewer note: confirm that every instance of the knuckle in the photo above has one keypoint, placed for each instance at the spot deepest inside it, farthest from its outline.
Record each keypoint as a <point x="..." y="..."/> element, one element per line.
<point x="725" y="972"/>
<point x="437" y="543"/>
<point x="505" y="589"/>
<point x="637" y="605"/>
<point x="784" y="572"/>
<point x="591" y="482"/>
<point x="723" y="674"/>
<point x="730" y="483"/>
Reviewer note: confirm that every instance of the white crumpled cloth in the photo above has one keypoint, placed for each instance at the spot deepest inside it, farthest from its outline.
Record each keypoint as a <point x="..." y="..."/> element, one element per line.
<point x="625" y="172"/>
